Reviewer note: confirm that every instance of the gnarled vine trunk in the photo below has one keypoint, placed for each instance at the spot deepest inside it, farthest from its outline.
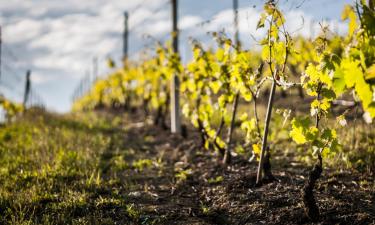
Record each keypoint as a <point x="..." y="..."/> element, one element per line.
<point x="311" y="208"/>
<point x="267" y="169"/>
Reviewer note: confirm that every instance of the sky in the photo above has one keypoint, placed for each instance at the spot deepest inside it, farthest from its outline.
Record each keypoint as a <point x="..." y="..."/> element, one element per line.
<point x="58" y="40"/>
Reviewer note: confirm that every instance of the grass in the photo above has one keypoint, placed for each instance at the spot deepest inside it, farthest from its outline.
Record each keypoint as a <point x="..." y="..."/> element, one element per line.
<point x="56" y="170"/>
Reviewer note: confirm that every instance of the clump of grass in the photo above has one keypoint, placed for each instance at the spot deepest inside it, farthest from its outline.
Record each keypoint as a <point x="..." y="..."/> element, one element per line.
<point x="141" y="164"/>
<point x="183" y="174"/>
<point x="132" y="212"/>
<point x="216" y="180"/>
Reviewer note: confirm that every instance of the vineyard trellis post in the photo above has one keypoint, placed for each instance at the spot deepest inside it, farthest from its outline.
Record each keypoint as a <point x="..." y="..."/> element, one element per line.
<point x="265" y="134"/>
<point x="0" y="52"/>
<point x="227" y="154"/>
<point x="95" y="68"/>
<point x="175" y="82"/>
<point x="27" y="88"/>
<point x="236" y="29"/>
<point x="125" y="38"/>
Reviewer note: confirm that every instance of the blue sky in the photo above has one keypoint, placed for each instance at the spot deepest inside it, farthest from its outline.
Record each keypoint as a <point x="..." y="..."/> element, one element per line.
<point x="58" y="40"/>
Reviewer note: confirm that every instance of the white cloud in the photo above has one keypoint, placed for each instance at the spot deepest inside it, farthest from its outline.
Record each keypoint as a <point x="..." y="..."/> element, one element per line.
<point x="24" y="30"/>
<point x="40" y="78"/>
<point x="189" y="21"/>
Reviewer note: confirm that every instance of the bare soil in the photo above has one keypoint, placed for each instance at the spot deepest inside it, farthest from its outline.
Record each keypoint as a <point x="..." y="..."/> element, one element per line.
<point x="216" y="194"/>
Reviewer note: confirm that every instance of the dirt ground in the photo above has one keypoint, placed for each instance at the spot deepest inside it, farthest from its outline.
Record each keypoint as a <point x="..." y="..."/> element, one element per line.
<point x="215" y="194"/>
<point x="115" y="168"/>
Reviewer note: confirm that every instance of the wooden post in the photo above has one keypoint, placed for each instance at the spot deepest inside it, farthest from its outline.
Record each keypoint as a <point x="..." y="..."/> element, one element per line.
<point x="27" y="88"/>
<point x="81" y="91"/>
<point x="264" y="143"/>
<point x="175" y="83"/>
<point x="227" y="154"/>
<point x="95" y="68"/>
<point x="88" y="81"/>
<point x="236" y="30"/>
<point x="125" y="39"/>
<point x="0" y="52"/>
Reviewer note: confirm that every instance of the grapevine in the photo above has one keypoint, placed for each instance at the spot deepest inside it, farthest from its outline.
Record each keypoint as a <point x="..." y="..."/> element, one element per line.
<point x="219" y="79"/>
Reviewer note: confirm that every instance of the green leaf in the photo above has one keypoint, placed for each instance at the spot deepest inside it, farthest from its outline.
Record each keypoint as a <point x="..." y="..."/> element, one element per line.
<point x="364" y="92"/>
<point x="247" y="96"/>
<point x="279" y="52"/>
<point x="220" y="142"/>
<point x="257" y="150"/>
<point x="244" y="116"/>
<point x="215" y="86"/>
<point x="186" y="110"/>
<point x="207" y="144"/>
<point x="220" y="54"/>
<point x="338" y="81"/>
<point x="352" y="72"/>
<point x="329" y="134"/>
<point x="261" y="21"/>
<point x="312" y="133"/>
<point x="297" y="135"/>
<point x="299" y="129"/>
<point x="370" y="72"/>
<point x="328" y="94"/>
<point x="312" y="72"/>
<point x="349" y="13"/>
<point x="222" y="101"/>
<point x="265" y="53"/>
